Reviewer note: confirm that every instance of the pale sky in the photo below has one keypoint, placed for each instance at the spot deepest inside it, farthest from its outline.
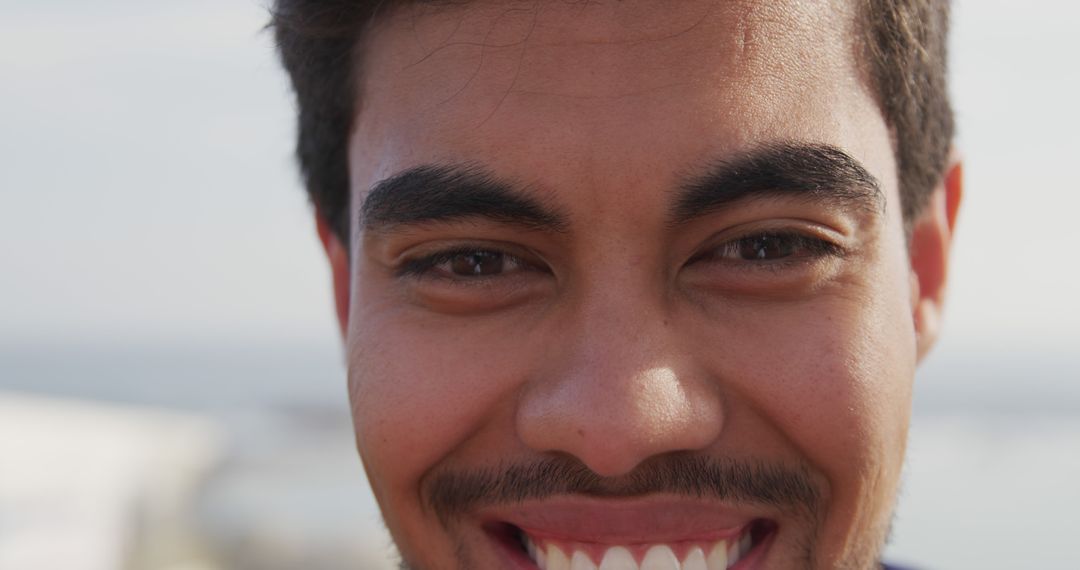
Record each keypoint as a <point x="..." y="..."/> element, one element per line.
<point x="147" y="187"/>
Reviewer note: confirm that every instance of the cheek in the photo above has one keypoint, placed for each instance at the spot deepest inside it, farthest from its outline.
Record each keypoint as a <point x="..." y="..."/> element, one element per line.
<point x="849" y="414"/>
<point x="849" y="392"/>
<point x="420" y="387"/>
<point x="833" y="376"/>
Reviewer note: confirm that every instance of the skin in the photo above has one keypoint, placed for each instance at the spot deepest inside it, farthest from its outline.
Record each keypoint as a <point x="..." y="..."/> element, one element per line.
<point x="601" y="109"/>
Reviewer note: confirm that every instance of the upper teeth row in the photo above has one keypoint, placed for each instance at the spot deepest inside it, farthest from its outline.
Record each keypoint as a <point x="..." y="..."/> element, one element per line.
<point x="719" y="555"/>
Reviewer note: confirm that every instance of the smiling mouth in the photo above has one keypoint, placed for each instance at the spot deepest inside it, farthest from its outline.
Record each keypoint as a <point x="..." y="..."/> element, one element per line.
<point x="547" y="553"/>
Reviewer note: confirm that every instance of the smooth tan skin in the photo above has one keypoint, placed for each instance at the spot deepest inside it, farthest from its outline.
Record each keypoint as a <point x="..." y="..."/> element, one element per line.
<point x="624" y="351"/>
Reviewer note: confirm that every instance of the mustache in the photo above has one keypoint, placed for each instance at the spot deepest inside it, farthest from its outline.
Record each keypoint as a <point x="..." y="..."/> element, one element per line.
<point x="453" y="493"/>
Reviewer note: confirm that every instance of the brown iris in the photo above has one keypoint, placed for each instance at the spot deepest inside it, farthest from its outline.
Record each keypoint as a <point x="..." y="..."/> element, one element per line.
<point x="766" y="247"/>
<point x="477" y="264"/>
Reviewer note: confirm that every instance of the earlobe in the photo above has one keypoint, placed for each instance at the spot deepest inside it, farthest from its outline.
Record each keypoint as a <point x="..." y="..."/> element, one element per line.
<point x="338" y="256"/>
<point x="931" y="239"/>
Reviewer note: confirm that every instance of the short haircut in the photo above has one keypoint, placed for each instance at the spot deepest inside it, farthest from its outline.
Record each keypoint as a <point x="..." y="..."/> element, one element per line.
<point x="903" y="41"/>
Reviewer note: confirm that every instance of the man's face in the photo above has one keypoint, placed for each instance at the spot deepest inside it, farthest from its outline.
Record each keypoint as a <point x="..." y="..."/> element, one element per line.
<point x="628" y="283"/>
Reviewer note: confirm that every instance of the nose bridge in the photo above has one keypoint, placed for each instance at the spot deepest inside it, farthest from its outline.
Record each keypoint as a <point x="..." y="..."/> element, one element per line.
<point x="616" y="329"/>
<point x="617" y="387"/>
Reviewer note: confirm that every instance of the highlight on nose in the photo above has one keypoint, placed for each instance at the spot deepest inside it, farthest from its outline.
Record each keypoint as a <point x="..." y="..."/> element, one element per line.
<point x="614" y="422"/>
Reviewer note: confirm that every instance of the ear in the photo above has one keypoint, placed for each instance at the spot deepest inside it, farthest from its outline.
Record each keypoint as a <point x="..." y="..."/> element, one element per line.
<point x="338" y="256"/>
<point x="931" y="239"/>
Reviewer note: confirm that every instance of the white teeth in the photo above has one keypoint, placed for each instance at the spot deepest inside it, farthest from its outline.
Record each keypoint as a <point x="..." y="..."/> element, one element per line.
<point x="581" y="561"/>
<point x="618" y="558"/>
<point x="695" y="560"/>
<point x="722" y="556"/>
<point x="660" y="557"/>
<point x="530" y="547"/>
<point x="737" y="550"/>
<point x="732" y="553"/>
<point x="556" y="560"/>
<point x="718" y="556"/>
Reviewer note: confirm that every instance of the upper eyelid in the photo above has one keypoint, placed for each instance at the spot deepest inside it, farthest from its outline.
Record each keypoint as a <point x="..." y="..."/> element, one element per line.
<point x="450" y="246"/>
<point x="807" y="232"/>
<point x="781" y="224"/>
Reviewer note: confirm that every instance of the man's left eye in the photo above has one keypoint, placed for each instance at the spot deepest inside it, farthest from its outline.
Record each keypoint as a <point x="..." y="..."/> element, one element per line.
<point x="772" y="246"/>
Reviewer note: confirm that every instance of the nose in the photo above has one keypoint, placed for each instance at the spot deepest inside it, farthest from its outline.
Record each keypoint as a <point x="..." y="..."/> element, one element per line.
<point x="617" y="389"/>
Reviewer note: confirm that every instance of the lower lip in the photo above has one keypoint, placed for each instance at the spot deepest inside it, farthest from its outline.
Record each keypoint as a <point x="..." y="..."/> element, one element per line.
<point x="515" y="557"/>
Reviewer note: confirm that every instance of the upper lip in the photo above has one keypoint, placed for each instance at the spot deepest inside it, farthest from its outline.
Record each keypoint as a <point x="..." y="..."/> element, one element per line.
<point x="652" y="519"/>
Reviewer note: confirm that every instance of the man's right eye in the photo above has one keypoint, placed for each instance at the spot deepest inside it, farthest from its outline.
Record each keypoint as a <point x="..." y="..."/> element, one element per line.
<point x="464" y="264"/>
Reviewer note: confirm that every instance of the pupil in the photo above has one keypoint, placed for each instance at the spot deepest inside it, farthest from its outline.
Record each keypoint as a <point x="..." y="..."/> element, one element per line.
<point x="477" y="264"/>
<point x="766" y="247"/>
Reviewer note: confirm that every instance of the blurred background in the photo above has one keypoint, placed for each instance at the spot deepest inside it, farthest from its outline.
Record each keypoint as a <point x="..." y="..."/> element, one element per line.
<point x="171" y="388"/>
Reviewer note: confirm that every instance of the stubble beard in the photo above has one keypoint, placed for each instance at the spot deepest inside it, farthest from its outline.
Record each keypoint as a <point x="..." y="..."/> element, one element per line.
<point x="791" y="489"/>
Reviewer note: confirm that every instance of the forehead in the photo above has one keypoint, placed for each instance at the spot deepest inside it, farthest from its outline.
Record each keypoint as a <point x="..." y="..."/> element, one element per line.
<point x="598" y="86"/>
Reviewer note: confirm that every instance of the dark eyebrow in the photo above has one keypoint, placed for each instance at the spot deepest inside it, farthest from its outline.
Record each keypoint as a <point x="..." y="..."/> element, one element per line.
<point x="812" y="172"/>
<point x="442" y="193"/>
